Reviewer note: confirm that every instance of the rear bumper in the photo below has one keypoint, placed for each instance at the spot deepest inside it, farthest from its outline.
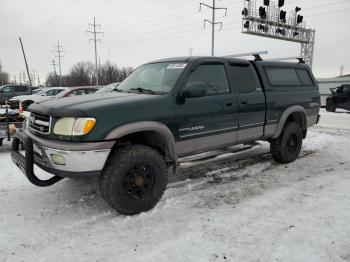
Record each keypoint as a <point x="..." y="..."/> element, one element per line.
<point x="79" y="160"/>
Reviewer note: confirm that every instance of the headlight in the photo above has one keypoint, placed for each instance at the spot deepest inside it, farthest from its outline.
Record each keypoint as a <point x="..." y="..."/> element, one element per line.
<point x="70" y="126"/>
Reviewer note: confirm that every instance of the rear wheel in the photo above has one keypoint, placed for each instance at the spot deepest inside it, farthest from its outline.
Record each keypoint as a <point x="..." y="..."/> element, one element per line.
<point x="134" y="179"/>
<point x="287" y="146"/>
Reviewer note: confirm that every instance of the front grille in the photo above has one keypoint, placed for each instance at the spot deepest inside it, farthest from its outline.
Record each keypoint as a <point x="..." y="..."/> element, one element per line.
<point x="40" y="123"/>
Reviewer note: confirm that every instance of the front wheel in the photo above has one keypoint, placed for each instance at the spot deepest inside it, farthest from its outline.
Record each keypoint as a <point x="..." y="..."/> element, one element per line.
<point x="134" y="179"/>
<point x="286" y="148"/>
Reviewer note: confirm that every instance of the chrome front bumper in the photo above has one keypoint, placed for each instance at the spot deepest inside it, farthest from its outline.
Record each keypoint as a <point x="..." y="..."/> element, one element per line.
<point x="70" y="161"/>
<point x="62" y="159"/>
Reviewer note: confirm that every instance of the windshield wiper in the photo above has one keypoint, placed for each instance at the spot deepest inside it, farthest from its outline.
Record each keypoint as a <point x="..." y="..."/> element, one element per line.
<point x="143" y="90"/>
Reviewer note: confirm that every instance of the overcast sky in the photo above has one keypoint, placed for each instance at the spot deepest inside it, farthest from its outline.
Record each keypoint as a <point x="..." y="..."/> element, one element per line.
<point x="138" y="31"/>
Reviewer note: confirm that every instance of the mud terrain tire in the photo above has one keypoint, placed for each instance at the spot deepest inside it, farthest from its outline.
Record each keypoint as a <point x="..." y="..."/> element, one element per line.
<point x="134" y="179"/>
<point x="286" y="148"/>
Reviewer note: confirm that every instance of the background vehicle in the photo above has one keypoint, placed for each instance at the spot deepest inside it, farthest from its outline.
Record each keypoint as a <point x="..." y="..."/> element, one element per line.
<point x="108" y="88"/>
<point x="27" y="100"/>
<point x="165" y="110"/>
<point x="340" y="98"/>
<point x="54" y="92"/>
<point x="9" y="121"/>
<point x="9" y="91"/>
<point x="77" y="91"/>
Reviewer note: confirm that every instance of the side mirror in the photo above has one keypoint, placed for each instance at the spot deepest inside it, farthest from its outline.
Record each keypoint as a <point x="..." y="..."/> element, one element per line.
<point x="195" y="89"/>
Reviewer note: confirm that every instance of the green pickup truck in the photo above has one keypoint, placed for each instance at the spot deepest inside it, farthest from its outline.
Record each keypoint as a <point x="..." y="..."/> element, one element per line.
<point x="167" y="109"/>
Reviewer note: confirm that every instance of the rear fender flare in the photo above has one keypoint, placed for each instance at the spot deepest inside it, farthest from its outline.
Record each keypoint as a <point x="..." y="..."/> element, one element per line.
<point x="285" y="116"/>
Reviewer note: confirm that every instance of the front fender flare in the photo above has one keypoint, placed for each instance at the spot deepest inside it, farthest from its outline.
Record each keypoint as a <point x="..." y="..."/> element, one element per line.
<point x="162" y="130"/>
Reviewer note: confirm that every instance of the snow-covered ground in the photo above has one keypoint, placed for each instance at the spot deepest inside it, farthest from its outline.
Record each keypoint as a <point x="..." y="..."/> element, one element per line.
<point x="238" y="206"/>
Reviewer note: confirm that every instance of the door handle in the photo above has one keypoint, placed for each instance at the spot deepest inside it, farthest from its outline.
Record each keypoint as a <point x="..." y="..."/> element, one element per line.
<point x="244" y="102"/>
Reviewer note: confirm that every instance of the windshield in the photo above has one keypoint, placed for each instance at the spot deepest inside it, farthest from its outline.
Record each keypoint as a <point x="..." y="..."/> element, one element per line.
<point x="52" y="92"/>
<point x="39" y="92"/>
<point x="158" y="77"/>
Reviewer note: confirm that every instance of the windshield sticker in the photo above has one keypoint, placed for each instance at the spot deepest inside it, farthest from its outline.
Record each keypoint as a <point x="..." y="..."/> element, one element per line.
<point x="176" y="66"/>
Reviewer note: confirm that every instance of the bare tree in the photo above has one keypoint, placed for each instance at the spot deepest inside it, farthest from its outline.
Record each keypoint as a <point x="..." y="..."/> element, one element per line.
<point x="4" y="77"/>
<point x="83" y="74"/>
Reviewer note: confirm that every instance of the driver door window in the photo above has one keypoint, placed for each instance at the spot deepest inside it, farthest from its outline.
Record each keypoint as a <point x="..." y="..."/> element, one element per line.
<point x="213" y="77"/>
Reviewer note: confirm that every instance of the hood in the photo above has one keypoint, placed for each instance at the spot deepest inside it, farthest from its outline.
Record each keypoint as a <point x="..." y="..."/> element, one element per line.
<point x="20" y="98"/>
<point x="34" y="98"/>
<point x="82" y="106"/>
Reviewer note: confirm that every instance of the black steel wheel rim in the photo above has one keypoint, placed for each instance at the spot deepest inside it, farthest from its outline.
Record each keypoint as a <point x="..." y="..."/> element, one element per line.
<point x="139" y="181"/>
<point x="292" y="143"/>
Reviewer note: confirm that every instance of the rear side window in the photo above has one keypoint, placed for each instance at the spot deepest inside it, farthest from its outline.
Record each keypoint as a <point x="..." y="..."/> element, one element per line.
<point x="53" y="92"/>
<point x="21" y="89"/>
<point x="282" y="76"/>
<point x="305" y="77"/>
<point x="244" y="78"/>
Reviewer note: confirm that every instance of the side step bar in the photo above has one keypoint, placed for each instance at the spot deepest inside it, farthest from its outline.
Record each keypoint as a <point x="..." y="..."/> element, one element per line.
<point x="26" y="163"/>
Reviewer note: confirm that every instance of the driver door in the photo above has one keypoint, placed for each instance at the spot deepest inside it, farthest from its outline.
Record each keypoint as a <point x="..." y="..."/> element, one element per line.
<point x="211" y="120"/>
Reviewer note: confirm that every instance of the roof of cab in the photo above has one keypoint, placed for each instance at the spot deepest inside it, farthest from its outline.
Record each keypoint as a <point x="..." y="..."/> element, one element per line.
<point x="277" y="63"/>
<point x="194" y="58"/>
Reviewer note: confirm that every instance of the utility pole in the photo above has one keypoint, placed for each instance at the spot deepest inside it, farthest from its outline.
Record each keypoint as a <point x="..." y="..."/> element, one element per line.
<point x="213" y="22"/>
<point x="25" y="60"/>
<point x="54" y="66"/>
<point x="341" y="71"/>
<point x="39" y="84"/>
<point x="191" y="51"/>
<point x="14" y="77"/>
<point x="94" y="32"/>
<point x="20" y="78"/>
<point x="59" y="56"/>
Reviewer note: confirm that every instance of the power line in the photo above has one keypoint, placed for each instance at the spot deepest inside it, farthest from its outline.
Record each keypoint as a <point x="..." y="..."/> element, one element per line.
<point x="318" y="6"/>
<point x="158" y="30"/>
<point x="94" y="32"/>
<point x="327" y="13"/>
<point x="52" y="19"/>
<point x="146" y="18"/>
<point x="188" y="33"/>
<point x="212" y="22"/>
<point x="148" y="24"/>
<point x="162" y="36"/>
